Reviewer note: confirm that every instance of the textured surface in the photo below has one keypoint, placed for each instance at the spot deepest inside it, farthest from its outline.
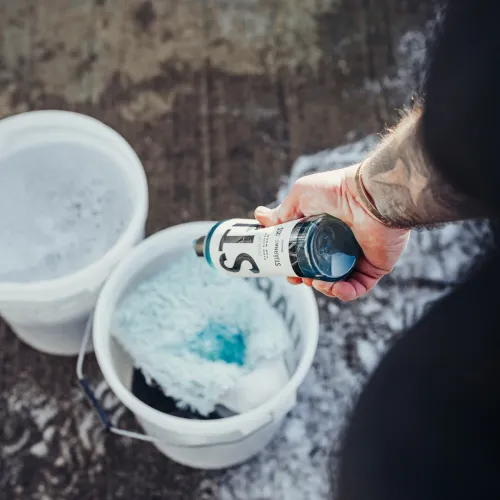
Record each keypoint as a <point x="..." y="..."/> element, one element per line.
<point x="218" y="98"/>
<point x="186" y="326"/>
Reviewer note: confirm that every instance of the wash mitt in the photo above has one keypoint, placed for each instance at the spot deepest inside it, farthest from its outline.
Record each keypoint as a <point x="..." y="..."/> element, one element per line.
<point x="197" y="334"/>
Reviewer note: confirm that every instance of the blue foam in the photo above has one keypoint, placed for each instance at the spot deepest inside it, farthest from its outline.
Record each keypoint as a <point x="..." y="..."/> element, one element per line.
<point x="219" y="342"/>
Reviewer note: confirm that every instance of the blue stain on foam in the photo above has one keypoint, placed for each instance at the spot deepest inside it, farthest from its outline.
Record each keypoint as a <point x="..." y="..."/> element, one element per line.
<point x="218" y="342"/>
<point x="196" y="332"/>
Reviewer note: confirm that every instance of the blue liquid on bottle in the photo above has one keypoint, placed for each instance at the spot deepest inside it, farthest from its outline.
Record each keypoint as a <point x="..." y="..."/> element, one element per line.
<point x="324" y="248"/>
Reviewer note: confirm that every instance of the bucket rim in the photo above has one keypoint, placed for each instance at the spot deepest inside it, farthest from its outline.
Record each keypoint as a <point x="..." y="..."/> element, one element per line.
<point x="85" y="278"/>
<point x="102" y="339"/>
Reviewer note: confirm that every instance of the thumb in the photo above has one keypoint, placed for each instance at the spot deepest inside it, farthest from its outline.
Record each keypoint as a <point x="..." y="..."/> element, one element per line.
<point x="287" y="211"/>
<point x="266" y="216"/>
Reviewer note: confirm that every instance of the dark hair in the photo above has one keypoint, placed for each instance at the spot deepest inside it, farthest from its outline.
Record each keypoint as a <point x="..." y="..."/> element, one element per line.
<point x="461" y="116"/>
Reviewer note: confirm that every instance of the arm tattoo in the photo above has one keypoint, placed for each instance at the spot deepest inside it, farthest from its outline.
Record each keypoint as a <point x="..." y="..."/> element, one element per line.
<point x="405" y="187"/>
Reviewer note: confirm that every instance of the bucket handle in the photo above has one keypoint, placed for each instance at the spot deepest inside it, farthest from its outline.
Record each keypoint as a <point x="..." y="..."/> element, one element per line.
<point x="110" y="427"/>
<point x="91" y="396"/>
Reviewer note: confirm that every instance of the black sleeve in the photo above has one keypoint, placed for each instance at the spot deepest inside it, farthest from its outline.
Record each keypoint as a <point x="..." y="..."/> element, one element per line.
<point x="461" y="118"/>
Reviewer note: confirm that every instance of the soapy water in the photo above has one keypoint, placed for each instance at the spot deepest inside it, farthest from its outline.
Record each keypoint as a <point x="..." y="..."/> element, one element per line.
<point x="62" y="207"/>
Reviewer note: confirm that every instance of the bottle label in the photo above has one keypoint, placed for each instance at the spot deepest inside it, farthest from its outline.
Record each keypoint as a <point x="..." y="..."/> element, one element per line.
<point x="244" y="248"/>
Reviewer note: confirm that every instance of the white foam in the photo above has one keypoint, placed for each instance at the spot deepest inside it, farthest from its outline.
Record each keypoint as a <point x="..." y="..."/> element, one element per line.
<point x="61" y="208"/>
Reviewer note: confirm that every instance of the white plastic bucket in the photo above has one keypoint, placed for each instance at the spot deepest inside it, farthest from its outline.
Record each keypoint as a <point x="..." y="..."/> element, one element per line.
<point x="203" y="444"/>
<point x="51" y="315"/>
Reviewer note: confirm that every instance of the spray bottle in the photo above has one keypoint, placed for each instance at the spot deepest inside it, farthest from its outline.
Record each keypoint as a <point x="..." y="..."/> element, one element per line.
<point x="319" y="247"/>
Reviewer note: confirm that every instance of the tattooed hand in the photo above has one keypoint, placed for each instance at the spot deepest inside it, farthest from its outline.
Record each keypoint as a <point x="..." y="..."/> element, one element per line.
<point x="335" y="193"/>
<point x="398" y="190"/>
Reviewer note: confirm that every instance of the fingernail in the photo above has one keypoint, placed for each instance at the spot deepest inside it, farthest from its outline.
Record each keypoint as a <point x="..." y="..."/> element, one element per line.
<point x="262" y="211"/>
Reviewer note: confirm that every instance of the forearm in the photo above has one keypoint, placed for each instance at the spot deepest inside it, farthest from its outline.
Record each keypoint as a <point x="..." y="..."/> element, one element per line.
<point x="406" y="188"/>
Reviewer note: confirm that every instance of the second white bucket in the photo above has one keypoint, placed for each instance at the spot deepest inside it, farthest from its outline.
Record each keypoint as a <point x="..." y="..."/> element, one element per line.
<point x="51" y="315"/>
<point x="212" y="444"/>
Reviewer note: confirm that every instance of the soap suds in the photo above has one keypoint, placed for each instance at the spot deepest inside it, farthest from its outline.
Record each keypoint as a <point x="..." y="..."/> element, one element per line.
<point x="60" y="210"/>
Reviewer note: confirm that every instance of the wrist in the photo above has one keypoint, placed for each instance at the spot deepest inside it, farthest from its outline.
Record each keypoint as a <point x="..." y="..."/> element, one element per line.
<point x="364" y="199"/>
<point x="368" y="201"/>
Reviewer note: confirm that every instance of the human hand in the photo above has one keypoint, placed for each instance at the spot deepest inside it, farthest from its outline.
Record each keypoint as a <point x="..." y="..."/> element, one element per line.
<point x="335" y="193"/>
